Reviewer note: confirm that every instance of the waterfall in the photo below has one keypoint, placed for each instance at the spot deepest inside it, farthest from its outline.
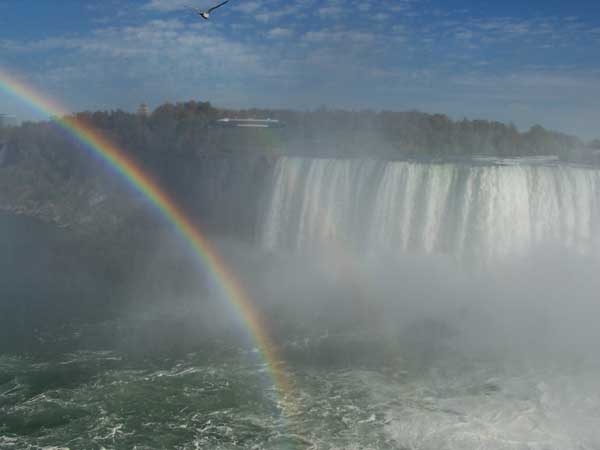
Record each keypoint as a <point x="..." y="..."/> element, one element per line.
<point x="488" y="212"/>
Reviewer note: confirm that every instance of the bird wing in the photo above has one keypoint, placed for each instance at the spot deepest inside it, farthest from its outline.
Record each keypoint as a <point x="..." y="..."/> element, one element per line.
<point x="218" y="6"/>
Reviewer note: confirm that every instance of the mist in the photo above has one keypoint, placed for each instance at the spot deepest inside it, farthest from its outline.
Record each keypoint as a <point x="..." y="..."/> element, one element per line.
<point x="413" y="309"/>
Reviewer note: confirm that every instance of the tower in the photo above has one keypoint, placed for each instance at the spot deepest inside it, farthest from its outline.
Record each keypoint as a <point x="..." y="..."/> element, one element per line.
<point x="143" y="110"/>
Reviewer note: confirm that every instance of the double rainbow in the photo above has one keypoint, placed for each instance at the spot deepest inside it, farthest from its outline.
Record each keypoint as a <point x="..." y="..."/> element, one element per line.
<point x="143" y="183"/>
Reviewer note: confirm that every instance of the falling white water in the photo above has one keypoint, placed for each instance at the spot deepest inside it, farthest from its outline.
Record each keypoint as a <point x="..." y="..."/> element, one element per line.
<point x="491" y="211"/>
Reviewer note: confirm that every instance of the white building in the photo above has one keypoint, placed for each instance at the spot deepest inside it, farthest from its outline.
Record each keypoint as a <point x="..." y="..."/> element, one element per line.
<point x="249" y="123"/>
<point x="8" y="121"/>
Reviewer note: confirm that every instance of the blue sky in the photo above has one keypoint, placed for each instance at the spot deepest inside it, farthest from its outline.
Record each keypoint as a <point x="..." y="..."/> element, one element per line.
<point x="521" y="61"/>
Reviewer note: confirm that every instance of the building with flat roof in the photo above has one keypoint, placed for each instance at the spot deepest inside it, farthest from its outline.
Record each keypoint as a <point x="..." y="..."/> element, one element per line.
<point x="7" y="120"/>
<point x="143" y="110"/>
<point x="249" y="123"/>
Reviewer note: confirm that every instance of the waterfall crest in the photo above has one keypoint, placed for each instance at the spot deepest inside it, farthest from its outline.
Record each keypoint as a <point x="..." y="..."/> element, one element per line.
<point x="462" y="210"/>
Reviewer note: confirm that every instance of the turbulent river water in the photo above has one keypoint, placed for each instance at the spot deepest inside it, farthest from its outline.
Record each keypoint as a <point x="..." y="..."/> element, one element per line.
<point x="414" y="306"/>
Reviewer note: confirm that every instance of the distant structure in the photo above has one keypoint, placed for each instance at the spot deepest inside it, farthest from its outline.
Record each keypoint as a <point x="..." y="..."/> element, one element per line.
<point x="143" y="110"/>
<point x="585" y="155"/>
<point x="3" y="153"/>
<point x="8" y="154"/>
<point x="263" y="136"/>
<point x="8" y="121"/>
<point x="249" y="123"/>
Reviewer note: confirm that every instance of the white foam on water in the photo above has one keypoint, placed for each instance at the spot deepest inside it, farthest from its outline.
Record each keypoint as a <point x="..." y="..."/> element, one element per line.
<point x="533" y="411"/>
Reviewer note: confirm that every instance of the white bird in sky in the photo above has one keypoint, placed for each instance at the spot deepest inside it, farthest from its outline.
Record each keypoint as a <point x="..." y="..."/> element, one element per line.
<point x="206" y="14"/>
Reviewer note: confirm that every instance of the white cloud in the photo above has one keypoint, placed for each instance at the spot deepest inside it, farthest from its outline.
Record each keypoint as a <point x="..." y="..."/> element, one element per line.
<point x="400" y="5"/>
<point x="340" y="36"/>
<point x="332" y="12"/>
<point x="277" y="12"/>
<point x="248" y="7"/>
<point x="381" y="16"/>
<point x="166" y="5"/>
<point x="280" y="32"/>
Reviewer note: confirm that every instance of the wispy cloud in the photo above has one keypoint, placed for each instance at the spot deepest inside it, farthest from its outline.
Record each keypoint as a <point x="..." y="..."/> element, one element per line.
<point x="280" y="32"/>
<point x="166" y="5"/>
<point x="249" y="7"/>
<point x="332" y="11"/>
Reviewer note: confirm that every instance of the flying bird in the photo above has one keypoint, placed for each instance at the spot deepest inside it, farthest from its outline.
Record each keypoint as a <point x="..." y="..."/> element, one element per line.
<point x="206" y="14"/>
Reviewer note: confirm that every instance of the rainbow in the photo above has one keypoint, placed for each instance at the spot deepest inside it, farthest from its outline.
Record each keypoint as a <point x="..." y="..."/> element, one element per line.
<point x="143" y="183"/>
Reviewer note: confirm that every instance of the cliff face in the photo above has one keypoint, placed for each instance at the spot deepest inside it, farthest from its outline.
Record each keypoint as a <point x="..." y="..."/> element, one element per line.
<point x="81" y="206"/>
<point x="66" y="187"/>
<point x="38" y="185"/>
